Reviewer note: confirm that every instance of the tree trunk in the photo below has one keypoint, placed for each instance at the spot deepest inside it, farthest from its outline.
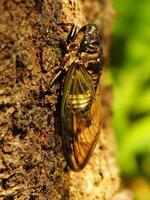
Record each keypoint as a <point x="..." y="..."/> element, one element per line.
<point x="32" y="165"/>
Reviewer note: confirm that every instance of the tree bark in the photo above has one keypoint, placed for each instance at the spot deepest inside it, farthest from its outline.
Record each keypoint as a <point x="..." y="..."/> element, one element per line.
<point x="32" y="165"/>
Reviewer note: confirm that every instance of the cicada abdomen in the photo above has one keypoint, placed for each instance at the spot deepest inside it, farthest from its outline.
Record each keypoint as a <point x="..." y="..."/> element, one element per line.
<point x="81" y="116"/>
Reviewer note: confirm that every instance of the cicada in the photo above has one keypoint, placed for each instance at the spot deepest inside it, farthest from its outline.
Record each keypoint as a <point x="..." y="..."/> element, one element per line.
<point x="81" y="117"/>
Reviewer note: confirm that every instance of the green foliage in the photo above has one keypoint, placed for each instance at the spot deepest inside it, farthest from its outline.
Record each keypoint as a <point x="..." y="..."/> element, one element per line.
<point x="130" y="76"/>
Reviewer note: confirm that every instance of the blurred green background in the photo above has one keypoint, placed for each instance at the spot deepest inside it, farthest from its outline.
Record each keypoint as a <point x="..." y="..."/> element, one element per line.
<point x="129" y="73"/>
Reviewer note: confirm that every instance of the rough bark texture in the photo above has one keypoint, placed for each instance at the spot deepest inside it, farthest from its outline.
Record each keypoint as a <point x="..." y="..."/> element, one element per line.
<point x="32" y="165"/>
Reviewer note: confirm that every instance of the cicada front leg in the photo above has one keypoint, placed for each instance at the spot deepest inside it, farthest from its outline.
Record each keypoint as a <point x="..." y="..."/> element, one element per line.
<point x="70" y="38"/>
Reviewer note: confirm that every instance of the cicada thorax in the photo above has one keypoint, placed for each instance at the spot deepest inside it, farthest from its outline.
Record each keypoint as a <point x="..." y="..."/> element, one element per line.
<point x="91" y="52"/>
<point x="86" y="47"/>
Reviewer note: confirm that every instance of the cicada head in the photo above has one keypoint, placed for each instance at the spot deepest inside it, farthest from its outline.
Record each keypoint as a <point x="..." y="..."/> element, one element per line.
<point x="91" y="39"/>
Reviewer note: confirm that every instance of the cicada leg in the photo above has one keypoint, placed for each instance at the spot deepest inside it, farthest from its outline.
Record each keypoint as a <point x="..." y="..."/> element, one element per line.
<point x="72" y="34"/>
<point x="70" y="38"/>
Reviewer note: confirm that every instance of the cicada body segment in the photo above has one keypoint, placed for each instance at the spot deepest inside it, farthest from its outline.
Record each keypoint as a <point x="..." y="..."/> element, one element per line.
<point x="81" y="117"/>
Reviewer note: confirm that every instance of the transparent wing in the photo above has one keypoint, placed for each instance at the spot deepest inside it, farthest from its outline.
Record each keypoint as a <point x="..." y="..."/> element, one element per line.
<point x="81" y="117"/>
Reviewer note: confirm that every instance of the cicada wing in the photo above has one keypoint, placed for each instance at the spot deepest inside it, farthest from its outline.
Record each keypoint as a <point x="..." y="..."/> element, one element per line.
<point x="81" y="117"/>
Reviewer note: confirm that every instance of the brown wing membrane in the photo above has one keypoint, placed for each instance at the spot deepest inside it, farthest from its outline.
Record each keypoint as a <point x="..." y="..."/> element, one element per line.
<point x="81" y="117"/>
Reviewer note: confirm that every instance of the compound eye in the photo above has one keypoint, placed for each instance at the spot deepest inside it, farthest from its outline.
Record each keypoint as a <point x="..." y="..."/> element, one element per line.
<point x="84" y="45"/>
